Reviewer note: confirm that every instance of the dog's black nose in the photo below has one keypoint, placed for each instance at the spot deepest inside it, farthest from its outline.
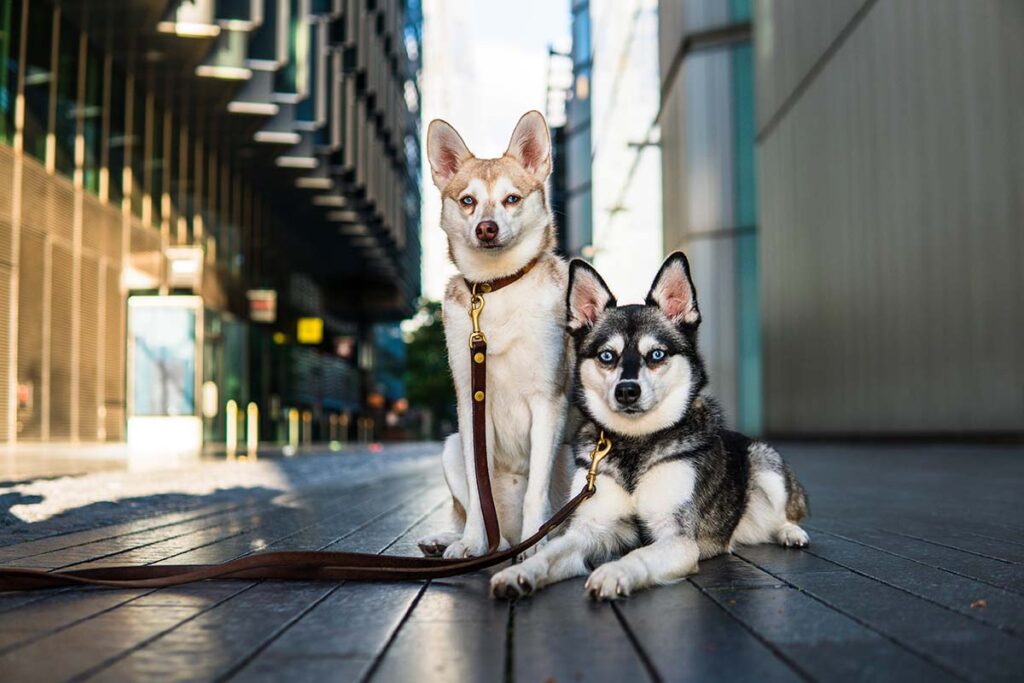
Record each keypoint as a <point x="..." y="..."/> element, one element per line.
<point x="486" y="231"/>
<point x="627" y="393"/>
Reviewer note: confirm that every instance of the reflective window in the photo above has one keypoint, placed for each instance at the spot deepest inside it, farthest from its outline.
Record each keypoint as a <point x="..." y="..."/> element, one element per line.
<point x="10" y="49"/>
<point x="116" y="136"/>
<point x="155" y="164"/>
<point x="38" y="78"/>
<point x="138" y="148"/>
<point x="92" y="120"/>
<point x="65" y="124"/>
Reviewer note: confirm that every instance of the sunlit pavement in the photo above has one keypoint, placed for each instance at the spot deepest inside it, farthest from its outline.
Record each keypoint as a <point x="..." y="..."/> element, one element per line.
<point x="914" y="572"/>
<point x="46" y="490"/>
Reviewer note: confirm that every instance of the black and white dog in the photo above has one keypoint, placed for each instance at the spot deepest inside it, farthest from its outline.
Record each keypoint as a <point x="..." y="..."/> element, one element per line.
<point x="676" y="486"/>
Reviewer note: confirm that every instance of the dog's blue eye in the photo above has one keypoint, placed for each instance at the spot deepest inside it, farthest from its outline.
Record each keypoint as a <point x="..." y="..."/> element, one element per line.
<point x="657" y="355"/>
<point x="606" y="357"/>
<point x="468" y="200"/>
<point x="512" y="199"/>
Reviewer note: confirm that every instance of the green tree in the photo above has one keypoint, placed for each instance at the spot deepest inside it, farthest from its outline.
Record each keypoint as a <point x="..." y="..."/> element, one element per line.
<point x="428" y="379"/>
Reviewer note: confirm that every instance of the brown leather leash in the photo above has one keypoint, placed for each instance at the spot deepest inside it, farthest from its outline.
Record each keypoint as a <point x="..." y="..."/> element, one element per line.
<point x="309" y="565"/>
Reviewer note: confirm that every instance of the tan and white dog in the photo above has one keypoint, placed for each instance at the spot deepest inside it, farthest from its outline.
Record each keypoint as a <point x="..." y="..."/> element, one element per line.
<point x="496" y="217"/>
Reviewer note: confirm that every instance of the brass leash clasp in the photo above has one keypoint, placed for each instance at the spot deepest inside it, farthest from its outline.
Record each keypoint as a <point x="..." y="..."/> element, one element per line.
<point x="476" y="307"/>
<point x="601" y="448"/>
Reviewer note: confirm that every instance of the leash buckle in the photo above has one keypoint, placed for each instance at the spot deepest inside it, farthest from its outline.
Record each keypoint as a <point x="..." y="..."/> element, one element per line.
<point x="476" y="307"/>
<point x="601" y="448"/>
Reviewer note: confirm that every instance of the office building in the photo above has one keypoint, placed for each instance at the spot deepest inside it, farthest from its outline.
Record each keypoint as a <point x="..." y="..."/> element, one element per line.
<point x="201" y="201"/>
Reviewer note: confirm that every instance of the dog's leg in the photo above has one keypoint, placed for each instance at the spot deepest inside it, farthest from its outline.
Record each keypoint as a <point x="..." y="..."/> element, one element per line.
<point x="562" y="558"/>
<point x="664" y="561"/>
<point x="454" y="466"/>
<point x="598" y="530"/>
<point x="547" y="420"/>
<point x="765" y="519"/>
<point x="508" y="488"/>
<point x="473" y="542"/>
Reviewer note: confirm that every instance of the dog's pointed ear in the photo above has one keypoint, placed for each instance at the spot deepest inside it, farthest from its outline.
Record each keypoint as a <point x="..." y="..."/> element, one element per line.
<point x="446" y="152"/>
<point x="673" y="292"/>
<point x="531" y="145"/>
<point x="588" y="296"/>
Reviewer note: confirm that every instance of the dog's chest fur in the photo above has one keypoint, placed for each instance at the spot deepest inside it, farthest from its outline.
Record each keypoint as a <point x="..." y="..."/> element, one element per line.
<point x="526" y="351"/>
<point x="691" y="479"/>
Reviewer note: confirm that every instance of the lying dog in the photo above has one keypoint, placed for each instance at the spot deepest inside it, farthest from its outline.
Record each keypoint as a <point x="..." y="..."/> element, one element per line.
<point x="676" y="487"/>
<point x="496" y="217"/>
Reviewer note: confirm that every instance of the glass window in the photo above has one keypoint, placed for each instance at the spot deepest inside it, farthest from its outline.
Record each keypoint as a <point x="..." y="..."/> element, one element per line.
<point x="116" y="137"/>
<point x="10" y="51"/>
<point x="92" y="120"/>
<point x="66" y="123"/>
<point x="162" y="348"/>
<point x="138" y="148"/>
<point x="156" y="164"/>
<point x="38" y="77"/>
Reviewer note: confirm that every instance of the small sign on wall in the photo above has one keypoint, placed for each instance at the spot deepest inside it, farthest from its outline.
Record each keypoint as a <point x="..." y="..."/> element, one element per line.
<point x="262" y="305"/>
<point x="310" y="331"/>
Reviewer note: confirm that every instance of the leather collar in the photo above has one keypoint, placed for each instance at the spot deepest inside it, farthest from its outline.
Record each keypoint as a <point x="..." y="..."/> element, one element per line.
<point x="497" y="283"/>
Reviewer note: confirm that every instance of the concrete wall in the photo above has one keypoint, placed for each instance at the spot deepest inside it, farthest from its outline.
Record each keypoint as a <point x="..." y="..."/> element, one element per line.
<point x="891" y="212"/>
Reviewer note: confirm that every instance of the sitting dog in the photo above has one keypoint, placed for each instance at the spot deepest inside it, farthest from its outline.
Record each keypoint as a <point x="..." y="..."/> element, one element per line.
<point x="496" y="217"/>
<point x="676" y="487"/>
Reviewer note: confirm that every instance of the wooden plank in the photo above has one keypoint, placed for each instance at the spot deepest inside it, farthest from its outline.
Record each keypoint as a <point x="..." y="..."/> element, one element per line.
<point x="688" y="637"/>
<point x="155" y="619"/>
<point x="15" y="630"/>
<point x="998" y="573"/>
<point x="145" y="542"/>
<point x="217" y="642"/>
<point x="559" y="634"/>
<point x="823" y="643"/>
<point x="961" y="645"/>
<point x="345" y="636"/>
<point x="819" y="640"/>
<point x="1004" y="610"/>
<point x="10" y="554"/>
<point x="454" y="633"/>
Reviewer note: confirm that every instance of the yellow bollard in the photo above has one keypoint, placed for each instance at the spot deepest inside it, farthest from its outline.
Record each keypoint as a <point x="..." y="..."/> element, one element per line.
<point x="252" y="429"/>
<point x="293" y="431"/>
<point x="231" y="428"/>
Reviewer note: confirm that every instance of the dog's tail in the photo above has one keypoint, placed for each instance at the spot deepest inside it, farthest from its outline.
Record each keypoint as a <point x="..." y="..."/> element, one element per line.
<point x="797" y="506"/>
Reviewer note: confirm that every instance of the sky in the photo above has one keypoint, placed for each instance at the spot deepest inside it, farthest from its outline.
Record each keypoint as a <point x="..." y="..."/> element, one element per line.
<point x="484" y="65"/>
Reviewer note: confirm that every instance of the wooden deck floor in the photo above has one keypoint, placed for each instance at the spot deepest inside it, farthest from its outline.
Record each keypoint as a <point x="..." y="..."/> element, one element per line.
<point x="915" y="572"/>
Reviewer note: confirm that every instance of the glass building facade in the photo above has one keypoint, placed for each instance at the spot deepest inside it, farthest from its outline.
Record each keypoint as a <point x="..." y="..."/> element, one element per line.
<point x="201" y="148"/>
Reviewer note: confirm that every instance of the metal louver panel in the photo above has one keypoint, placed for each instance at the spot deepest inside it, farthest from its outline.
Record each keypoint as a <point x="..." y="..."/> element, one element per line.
<point x="30" y="334"/>
<point x="6" y="208"/>
<point x="94" y="224"/>
<point x="89" y="350"/>
<point x="61" y="306"/>
<point x="47" y="202"/>
<point x="113" y="355"/>
<point x="5" y="348"/>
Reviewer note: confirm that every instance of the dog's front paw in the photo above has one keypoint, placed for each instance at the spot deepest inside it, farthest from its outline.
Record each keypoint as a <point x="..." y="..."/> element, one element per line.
<point x="433" y="545"/>
<point x="467" y="546"/>
<point x="792" y="536"/>
<point x="516" y="581"/>
<point x="610" y="581"/>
